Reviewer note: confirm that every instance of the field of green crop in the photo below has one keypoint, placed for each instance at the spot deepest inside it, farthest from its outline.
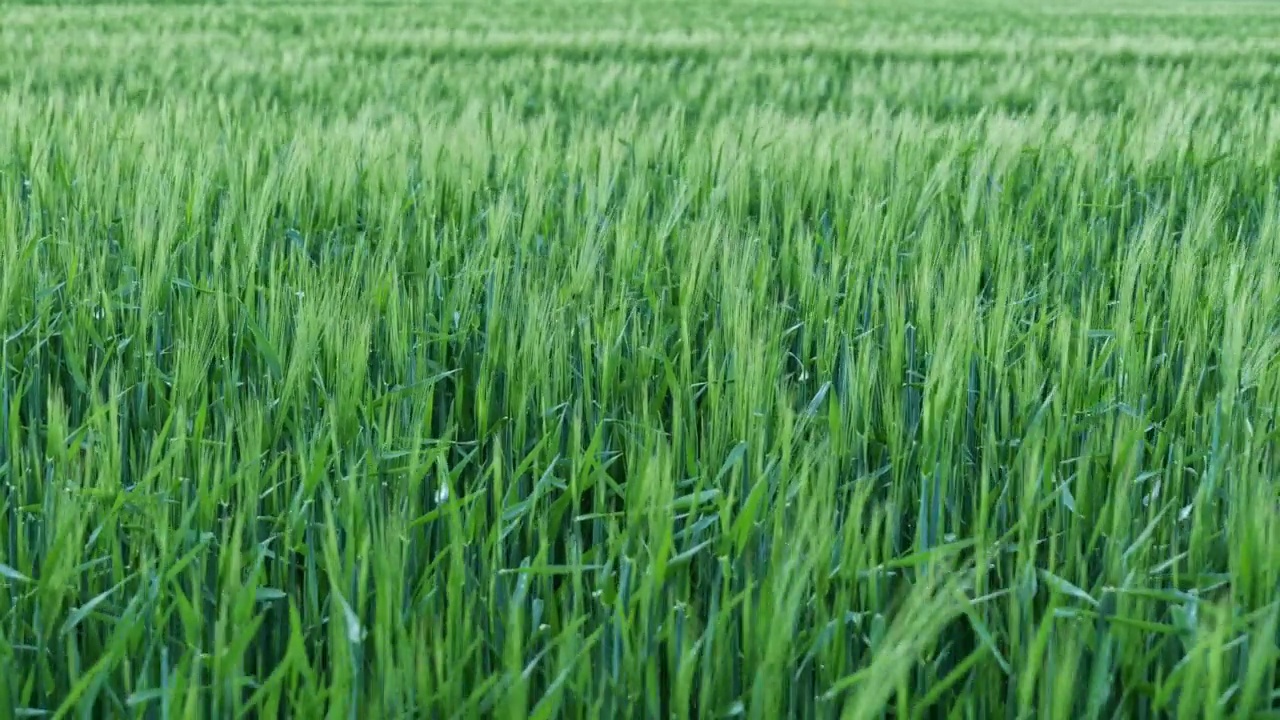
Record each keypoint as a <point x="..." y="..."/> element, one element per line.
<point x="590" y="359"/>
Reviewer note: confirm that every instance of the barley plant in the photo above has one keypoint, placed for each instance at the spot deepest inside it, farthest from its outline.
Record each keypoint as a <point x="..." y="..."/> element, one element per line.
<point x="594" y="359"/>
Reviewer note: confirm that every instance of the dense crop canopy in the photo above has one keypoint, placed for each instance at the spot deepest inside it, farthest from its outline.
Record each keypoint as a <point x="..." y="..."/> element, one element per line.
<point x="592" y="359"/>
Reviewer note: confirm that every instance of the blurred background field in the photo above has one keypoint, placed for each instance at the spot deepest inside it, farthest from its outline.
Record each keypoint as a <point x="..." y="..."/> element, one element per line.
<point x="601" y="359"/>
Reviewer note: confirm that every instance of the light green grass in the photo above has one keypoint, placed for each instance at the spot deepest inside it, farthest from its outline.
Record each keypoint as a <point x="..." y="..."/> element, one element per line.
<point x="810" y="360"/>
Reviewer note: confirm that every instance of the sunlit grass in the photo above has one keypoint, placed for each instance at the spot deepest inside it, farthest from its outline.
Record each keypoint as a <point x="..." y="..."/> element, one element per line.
<point x="908" y="372"/>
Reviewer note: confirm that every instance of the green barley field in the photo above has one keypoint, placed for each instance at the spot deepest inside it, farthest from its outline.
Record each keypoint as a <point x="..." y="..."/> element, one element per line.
<point x="592" y="359"/>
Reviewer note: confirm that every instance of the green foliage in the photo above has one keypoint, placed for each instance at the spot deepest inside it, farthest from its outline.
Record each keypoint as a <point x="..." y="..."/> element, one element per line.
<point x="578" y="360"/>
